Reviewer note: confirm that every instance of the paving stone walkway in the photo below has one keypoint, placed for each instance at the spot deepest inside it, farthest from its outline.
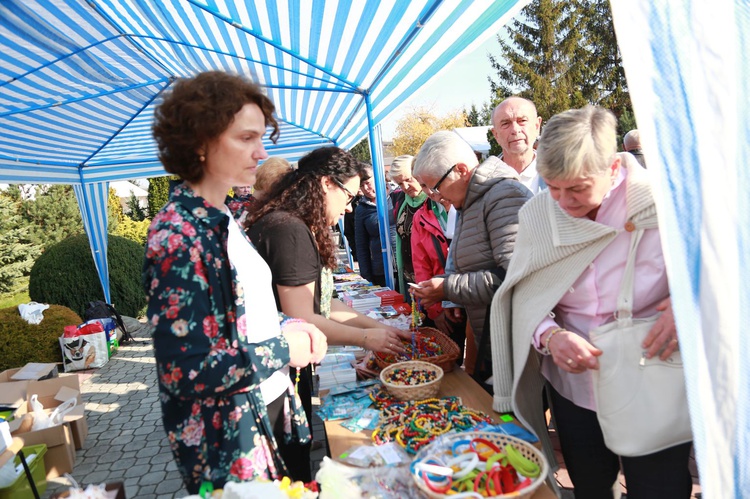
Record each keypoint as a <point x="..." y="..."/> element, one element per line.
<point x="126" y="439"/>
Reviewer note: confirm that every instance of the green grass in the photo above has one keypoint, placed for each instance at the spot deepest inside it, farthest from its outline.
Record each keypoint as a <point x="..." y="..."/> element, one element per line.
<point x="14" y="300"/>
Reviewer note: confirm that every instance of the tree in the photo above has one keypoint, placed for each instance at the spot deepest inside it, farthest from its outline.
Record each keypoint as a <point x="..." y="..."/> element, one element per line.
<point x="472" y="116"/>
<point x="416" y="126"/>
<point x="17" y="251"/>
<point x="114" y="211"/>
<point x="561" y="54"/>
<point x="53" y="214"/>
<point x="158" y="194"/>
<point x="361" y="151"/>
<point x="137" y="213"/>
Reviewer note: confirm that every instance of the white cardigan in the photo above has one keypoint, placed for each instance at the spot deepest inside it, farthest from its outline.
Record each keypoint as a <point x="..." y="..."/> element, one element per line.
<point x="552" y="251"/>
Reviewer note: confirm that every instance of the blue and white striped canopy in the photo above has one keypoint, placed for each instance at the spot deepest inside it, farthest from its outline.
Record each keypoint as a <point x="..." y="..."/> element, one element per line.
<point x="80" y="78"/>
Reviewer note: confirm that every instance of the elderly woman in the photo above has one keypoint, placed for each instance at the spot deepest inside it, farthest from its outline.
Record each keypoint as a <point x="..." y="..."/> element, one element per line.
<point x="222" y="358"/>
<point x="563" y="282"/>
<point x="270" y="172"/>
<point x="488" y="197"/>
<point x="291" y="232"/>
<point x="405" y="209"/>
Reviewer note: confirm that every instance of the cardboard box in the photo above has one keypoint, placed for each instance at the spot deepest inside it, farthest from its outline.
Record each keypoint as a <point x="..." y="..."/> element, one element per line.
<point x="53" y="392"/>
<point x="13" y="397"/>
<point x="33" y="371"/>
<point x="61" y="454"/>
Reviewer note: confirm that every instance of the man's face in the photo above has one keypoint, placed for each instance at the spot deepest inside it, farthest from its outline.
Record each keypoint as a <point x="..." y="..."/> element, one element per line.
<point x="516" y="126"/>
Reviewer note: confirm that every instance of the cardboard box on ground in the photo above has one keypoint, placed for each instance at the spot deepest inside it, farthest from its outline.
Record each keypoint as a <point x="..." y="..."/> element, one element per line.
<point x="62" y="440"/>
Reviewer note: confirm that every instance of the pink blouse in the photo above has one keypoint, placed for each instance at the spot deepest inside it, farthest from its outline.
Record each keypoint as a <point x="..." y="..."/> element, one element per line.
<point x="592" y="300"/>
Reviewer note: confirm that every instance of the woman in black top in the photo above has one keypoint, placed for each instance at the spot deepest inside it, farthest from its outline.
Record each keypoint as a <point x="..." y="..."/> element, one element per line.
<point x="292" y="233"/>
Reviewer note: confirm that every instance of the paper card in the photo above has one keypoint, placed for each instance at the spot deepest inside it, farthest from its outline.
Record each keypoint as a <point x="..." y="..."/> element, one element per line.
<point x="66" y="393"/>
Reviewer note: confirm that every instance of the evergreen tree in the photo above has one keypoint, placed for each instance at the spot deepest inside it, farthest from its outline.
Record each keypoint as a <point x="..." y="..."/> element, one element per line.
<point x="362" y="151"/>
<point x="137" y="213"/>
<point x="17" y="252"/>
<point x="605" y="80"/>
<point x="53" y="214"/>
<point x="472" y="116"/>
<point x="158" y="194"/>
<point x="561" y="54"/>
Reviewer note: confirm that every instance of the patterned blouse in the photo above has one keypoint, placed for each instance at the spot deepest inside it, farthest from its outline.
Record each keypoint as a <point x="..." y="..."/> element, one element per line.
<point x="208" y="371"/>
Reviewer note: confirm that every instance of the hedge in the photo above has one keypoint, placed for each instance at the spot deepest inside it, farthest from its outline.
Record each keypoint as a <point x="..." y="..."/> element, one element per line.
<point x="21" y="342"/>
<point x="66" y="275"/>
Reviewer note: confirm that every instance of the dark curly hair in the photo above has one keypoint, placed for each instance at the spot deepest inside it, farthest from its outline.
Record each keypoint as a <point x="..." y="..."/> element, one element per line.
<point x="198" y="110"/>
<point x="300" y="193"/>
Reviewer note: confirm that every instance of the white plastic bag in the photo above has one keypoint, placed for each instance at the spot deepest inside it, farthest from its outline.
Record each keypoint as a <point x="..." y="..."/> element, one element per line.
<point x="32" y="312"/>
<point x="43" y="420"/>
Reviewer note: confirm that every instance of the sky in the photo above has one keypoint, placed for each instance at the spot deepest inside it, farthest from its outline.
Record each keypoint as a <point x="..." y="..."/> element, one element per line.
<point x="452" y="89"/>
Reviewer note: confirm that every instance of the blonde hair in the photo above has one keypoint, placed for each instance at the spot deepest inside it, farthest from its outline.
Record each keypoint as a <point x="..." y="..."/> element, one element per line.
<point x="269" y="173"/>
<point x="577" y="143"/>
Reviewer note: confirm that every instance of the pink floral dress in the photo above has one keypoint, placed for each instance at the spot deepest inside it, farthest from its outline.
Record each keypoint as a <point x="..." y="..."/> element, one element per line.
<point x="208" y="371"/>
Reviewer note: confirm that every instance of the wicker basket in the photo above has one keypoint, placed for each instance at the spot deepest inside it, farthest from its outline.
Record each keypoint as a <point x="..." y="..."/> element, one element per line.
<point x="447" y="360"/>
<point x="413" y="392"/>
<point x="445" y="443"/>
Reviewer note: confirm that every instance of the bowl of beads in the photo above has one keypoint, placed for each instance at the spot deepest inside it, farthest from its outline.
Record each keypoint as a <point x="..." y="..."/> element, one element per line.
<point x="479" y="464"/>
<point x="428" y="345"/>
<point x="412" y="380"/>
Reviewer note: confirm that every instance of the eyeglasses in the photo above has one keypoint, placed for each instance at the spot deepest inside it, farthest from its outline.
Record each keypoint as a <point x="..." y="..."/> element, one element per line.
<point x="437" y="186"/>
<point x="350" y="197"/>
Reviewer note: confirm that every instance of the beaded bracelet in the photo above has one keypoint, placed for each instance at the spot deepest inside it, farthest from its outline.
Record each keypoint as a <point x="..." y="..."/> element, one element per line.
<point x="545" y="349"/>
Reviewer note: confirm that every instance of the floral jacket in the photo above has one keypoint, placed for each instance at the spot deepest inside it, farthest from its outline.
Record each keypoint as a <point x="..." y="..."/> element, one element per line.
<point x="208" y="371"/>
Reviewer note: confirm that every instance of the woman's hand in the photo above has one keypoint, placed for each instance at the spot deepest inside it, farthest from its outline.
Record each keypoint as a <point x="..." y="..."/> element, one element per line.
<point x="430" y="291"/>
<point x="307" y="344"/>
<point x="385" y="340"/>
<point x="571" y="352"/>
<point x="663" y="334"/>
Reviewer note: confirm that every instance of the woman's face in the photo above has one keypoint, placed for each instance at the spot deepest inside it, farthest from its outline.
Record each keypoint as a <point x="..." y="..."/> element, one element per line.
<point x="339" y="196"/>
<point x="408" y="184"/>
<point x="232" y="158"/>
<point x="582" y="196"/>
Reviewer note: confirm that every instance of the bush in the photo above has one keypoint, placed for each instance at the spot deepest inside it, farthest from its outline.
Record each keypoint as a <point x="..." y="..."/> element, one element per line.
<point x="65" y="275"/>
<point x="134" y="230"/>
<point x="21" y="342"/>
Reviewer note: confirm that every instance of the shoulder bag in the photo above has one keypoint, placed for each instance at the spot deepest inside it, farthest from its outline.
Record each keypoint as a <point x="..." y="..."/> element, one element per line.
<point x="641" y="403"/>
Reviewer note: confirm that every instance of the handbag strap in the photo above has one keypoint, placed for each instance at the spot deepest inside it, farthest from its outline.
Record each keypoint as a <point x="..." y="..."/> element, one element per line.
<point x="625" y="299"/>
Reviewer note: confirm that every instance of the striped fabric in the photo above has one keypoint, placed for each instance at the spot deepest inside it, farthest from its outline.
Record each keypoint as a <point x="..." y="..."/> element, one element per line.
<point x="79" y="79"/>
<point x="90" y="198"/>
<point x="687" y="69"/>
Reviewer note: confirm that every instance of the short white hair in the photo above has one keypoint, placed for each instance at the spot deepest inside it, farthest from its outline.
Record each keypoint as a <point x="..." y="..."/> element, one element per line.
<point x="401" y="166"/>
<point x="440" y="152"/>
<point x="577" y="143"/>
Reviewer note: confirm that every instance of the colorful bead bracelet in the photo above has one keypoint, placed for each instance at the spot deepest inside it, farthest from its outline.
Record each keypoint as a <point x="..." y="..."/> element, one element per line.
<point x="475" y="468"/>
<point x="415" y="424"/>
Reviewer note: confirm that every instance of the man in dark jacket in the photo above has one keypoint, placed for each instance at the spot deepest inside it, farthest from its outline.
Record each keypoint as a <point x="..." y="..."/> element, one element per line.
<point x="488" y="196"/>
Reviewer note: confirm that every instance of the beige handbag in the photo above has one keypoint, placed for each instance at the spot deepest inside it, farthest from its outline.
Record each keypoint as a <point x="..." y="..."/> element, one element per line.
<point x="641" y="403"/>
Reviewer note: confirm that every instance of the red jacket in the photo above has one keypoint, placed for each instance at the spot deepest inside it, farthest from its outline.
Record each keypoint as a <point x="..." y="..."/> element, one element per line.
<point x="429" y="249"/>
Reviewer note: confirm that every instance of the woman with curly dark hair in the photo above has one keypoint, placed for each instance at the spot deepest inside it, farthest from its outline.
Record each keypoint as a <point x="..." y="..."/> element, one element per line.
<point x="292" y="232"/>
<point x="221" y="356"/>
